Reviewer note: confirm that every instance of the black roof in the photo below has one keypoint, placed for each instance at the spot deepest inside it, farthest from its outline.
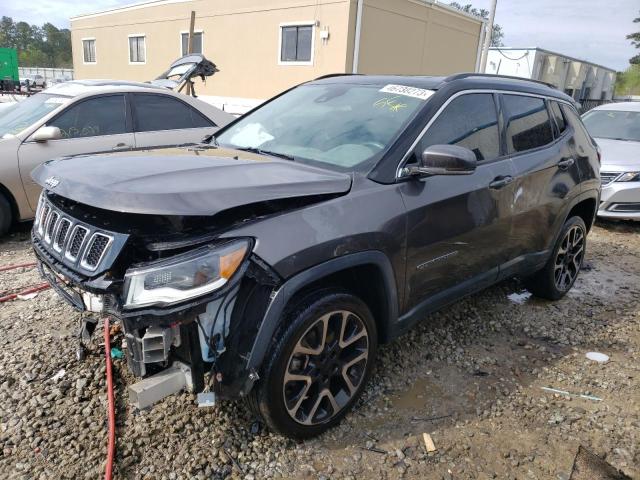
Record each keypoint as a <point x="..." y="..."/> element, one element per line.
<point x="460" y="81"/>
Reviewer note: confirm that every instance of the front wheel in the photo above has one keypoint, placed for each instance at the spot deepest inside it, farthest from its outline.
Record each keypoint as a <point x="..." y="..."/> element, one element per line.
<point x="562" y="269"/>
<point x="318" y="367"/>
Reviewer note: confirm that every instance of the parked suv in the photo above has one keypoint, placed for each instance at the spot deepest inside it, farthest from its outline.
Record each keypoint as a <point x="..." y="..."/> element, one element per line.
<point x="271" y="263"/>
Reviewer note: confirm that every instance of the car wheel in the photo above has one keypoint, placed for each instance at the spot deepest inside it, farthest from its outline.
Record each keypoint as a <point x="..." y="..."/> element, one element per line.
<point x="319" y="365"/>
<point x="563" y="267"/>
<point x="6" y="217"/>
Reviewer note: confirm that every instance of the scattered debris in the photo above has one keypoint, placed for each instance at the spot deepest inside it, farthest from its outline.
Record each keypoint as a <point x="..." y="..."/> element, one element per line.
<point x="59" y="375"/>
<point x="116" y="353"/>
<point x="27" y="296"/>
<point x="588" y="466"/>
<point x="429" y="419"/>
<point x="519" y="298"/>
<point x="569" y="394"/>
<point x="206" y="399"/>
<point x="428" y="443"/>
<point x="598" y="357"/>
<point x="374" y="449"/>
<point x="233" y="460"/>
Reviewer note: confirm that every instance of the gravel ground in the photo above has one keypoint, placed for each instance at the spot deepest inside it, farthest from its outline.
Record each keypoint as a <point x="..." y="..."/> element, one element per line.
<point x="471" y="377"/>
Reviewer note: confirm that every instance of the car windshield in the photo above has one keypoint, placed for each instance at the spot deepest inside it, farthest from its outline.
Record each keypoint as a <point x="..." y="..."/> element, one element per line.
<point x="340" y="126"/>
<point x="23" y="114"/>
<point x="614" y="124"/>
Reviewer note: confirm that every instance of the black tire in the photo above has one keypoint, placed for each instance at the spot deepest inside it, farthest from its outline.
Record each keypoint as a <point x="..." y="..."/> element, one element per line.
<point x="6" y="216"/>
<point x="560" y="273"/>
<point x="274" y="399"/>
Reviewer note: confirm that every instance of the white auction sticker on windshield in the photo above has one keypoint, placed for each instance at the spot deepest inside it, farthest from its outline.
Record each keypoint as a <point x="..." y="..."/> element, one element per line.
<point x="414" y="92"/>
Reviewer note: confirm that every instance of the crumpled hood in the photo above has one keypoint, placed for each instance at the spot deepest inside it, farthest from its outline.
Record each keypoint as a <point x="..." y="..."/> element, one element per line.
<point x="180" y="181"/>
<point x="619" y="155"/>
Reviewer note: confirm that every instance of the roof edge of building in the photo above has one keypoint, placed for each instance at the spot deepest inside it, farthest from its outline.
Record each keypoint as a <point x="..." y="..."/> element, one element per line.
<point x="124" y="8"/>
<point x="544" y="50"/>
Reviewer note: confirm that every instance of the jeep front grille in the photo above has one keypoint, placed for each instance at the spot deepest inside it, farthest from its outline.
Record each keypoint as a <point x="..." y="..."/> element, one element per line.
<point x="77" y="240"/>
<point x="75" y="243"/>
<point x="98" y="246"/>
<point x="61" y="235"/>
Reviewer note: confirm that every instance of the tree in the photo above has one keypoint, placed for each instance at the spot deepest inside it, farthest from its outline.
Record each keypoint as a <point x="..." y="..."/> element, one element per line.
<point x="45" y="46"/>
<point x="496" y="35"/>
<point x="628" y="82"/>
<point x="635" y="41"/>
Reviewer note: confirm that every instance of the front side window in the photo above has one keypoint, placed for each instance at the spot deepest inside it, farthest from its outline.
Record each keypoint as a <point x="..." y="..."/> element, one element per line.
<point x="94" y="117"/>
<point x="196" y="44"/>
<point x="23" y="114"/>
<point x="296" y="43"/>
<point x="137" y="49"/>
<point x="160" y="112"/>
<point x="528" y="123"/>
<point x="89" y="50"/>
<point x="338" y="126"/>
<point x="613" y="124"/>
<point x="469" y="121"/>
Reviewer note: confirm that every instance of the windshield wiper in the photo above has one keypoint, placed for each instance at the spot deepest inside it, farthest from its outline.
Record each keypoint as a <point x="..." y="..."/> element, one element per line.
<point x="260" y="151"/>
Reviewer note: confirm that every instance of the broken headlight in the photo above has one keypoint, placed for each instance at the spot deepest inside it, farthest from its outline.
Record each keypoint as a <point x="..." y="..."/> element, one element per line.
<point x="184" y="276"/>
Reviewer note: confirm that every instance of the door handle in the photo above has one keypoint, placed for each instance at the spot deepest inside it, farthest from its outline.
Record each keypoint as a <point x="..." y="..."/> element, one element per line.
<point x="566" y="163"/>
<point x="121" y="146"/>
<point x="500" y="182"/>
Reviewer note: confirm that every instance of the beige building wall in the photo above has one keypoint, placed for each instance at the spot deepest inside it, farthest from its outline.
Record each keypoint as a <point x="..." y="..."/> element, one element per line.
<point x="411" y="37"/>
<point x="242" y="38"/>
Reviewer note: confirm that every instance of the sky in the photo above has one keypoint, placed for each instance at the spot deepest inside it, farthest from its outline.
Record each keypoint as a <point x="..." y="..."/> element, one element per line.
<point x="593" y="30"/>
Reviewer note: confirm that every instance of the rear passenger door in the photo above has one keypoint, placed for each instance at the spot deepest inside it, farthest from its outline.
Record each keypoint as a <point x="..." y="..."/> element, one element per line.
<point x="546" y="175"/>
<point x="162" y="120"/>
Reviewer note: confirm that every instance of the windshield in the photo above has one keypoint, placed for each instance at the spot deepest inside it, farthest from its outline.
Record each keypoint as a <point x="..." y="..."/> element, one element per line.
<point x="613" y="124"/>
<point x="340" y="126"/>
<point x="23" y="114"/>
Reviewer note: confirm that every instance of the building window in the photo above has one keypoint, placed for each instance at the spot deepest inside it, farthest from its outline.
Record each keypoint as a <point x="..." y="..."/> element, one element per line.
<point x="296" y="44"/>
<point x="184" y="43"/>
<point x="137" y="49"/>
<point x="89" y="50"/>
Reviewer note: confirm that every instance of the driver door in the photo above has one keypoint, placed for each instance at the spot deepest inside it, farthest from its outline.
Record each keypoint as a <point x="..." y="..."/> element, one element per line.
<point x="98" y="124"/>
<point x="457" y="225"/>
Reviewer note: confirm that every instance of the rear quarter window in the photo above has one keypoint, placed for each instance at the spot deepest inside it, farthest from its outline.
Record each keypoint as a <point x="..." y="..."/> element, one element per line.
<point x="527" y="122"/>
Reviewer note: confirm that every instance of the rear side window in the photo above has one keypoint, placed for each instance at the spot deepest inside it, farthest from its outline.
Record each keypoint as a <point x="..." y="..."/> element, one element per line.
<point x="558" y="117"/>
<point x="468" y="121"/>
<point x="98" y="116"/>
<point x="527" y="121"/>
<point x="159" y="112"/>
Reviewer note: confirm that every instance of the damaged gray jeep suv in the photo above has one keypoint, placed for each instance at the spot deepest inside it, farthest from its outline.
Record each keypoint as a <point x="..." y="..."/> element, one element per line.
<point x="270" y="262"/>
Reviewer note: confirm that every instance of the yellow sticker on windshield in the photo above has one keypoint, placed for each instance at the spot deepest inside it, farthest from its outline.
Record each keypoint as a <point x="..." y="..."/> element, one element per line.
<point x="392" y="103"/>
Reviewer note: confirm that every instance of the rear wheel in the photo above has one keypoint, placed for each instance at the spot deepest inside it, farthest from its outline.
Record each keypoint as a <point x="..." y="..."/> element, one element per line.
<point x="562" y="269"/>
<point x="6" y="217"/>
<point x="319" y="366"/>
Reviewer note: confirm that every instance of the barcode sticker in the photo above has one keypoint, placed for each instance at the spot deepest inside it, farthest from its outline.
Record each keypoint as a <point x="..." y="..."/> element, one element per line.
<point x="414" y="92"/>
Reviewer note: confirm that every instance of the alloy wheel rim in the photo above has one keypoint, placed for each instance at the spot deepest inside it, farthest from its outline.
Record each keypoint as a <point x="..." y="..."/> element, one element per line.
<point x="569" y="258"/>
<point x="326" y="367"/>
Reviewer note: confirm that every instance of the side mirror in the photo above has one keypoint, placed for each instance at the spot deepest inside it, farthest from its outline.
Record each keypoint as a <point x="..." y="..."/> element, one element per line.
<point x="445" y="160"/>
<point x="44" y="134"/>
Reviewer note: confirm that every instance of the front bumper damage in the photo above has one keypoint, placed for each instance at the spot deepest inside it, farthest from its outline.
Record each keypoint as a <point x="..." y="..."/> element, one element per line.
<point x="168" y="341"/>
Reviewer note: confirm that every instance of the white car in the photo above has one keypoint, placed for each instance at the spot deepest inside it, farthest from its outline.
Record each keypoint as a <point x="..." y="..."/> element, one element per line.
<point x="91" y="116"/>
<point x="616" y="129"/>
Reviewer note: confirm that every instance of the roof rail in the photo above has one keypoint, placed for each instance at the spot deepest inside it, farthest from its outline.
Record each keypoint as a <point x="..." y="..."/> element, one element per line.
<point x="331" y="75"/>
<point x="459" y="76"/>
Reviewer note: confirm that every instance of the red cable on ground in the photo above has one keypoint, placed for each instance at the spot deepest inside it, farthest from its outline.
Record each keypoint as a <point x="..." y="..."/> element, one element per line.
<point x="18" y="265"/>
<point x="34" y="289"/>
<point x="111" y="408"/>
